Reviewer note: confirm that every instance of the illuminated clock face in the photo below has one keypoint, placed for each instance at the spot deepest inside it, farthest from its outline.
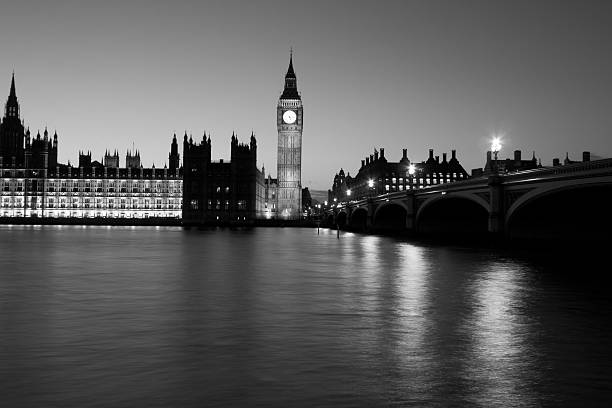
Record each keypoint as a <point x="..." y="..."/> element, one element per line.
<point x="289" y="116"/>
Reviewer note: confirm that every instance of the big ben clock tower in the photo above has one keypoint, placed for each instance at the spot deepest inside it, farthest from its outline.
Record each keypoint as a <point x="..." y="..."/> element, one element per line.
<point x="289" y="121"/>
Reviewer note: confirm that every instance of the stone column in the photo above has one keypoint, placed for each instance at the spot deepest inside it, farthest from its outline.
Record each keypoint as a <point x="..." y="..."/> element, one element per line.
<point x="410" y="212"/>
<point x="370" y="217"/>
<point x="496" y="214"/>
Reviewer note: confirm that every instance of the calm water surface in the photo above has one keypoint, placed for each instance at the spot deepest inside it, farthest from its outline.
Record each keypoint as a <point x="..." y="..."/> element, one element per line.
<point x="121" y="317"/>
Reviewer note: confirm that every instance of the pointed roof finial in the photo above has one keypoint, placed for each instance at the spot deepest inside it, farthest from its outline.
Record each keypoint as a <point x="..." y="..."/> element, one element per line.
<point x="290" y="71"/>
<point x="13" y="93"/>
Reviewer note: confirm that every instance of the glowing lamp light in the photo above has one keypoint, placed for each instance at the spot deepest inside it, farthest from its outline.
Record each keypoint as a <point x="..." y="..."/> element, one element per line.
<point x="370" y="183"/>
<point x="348" y="192"/>
<point x="335" y="199"/>
<point x="411" y="169"/>
<point x="325" y="203"/>
<point x="496" y="144"/>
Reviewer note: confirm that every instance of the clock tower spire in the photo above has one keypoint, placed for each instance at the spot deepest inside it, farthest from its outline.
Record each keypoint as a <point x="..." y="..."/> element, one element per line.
<point x="289" y="122"/>
<point x="290" y="91"/>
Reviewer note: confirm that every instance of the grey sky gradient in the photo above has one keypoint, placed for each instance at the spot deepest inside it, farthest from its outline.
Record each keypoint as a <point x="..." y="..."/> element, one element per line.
<point x="392" y="74"/>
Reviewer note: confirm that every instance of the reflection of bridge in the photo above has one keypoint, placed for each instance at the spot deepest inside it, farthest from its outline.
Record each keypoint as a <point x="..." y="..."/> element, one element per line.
<point x="548" y="202"/>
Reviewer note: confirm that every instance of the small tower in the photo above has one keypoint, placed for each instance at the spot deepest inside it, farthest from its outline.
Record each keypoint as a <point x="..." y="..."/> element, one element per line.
<point x="132" y="160"/>
<point x="174" y="157"/>
<point x="111" y="160"/>
<point x="12" y="134"/>
<point x="84" y="159"/>
<point x="196" y="161"/>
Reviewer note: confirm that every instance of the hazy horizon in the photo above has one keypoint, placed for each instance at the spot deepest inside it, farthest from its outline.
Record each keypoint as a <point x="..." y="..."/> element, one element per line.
<point x="397" y="74"/>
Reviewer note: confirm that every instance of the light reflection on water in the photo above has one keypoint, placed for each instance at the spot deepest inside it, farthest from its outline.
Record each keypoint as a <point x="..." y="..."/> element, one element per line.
<point x="129" y="316"/>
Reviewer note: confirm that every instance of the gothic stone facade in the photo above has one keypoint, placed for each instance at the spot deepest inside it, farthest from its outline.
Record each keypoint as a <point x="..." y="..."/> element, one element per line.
<point x="34" y="184"/>
<point x="221" y="192"/>
<point x="289" y="120"/>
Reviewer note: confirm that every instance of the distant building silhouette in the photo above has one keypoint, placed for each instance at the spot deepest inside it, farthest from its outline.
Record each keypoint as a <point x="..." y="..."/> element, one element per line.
<point x="221" y="192"/>
<point x="17" y="148"/>
<point x="377" y="176"/>
<point x="174" y="159"/>
<point x="586" y="157"/>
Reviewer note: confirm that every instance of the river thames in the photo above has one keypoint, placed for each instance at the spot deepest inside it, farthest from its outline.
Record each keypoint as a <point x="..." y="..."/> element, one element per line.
<point x="143" y="316"/>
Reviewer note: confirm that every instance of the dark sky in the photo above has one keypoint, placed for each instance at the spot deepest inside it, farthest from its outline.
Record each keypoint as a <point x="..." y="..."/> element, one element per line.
<point x="405" y="74"/>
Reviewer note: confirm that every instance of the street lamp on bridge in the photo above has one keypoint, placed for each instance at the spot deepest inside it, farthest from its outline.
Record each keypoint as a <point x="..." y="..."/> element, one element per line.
<point x="370" y="186"/>
<point x="411" y="171"/>
<point x="496" y="145"/>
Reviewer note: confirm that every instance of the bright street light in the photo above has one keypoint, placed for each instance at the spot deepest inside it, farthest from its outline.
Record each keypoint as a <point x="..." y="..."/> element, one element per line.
<point x="411" y="169"/>
<point x="348" y="192"/>
<point x="370" y="183"/>
<point x="496" y="144"/>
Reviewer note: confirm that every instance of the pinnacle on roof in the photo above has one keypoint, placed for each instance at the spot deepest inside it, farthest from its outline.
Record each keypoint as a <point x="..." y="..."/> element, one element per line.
<point x="290" y="71"/>
<point x="13" y="93"/>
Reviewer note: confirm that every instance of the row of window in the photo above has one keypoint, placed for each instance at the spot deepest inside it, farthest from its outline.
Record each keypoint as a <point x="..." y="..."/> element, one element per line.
<point x="51" y="187"/>
<point x="18" y="202"/>
<point x="219" y="205"/>
<point x="92" y="214"/>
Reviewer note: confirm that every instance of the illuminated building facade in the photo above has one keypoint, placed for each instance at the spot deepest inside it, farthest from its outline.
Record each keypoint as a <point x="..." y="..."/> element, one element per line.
<point x="289" y="121"/>
<point x="378" y="176"/>
<point x="91" y="192"/>
<point x="33" y="184"/>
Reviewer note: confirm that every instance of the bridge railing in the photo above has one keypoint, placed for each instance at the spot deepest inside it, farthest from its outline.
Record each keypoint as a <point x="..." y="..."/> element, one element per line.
<point x="561" y="170"/>
<point x="483" y="180"/>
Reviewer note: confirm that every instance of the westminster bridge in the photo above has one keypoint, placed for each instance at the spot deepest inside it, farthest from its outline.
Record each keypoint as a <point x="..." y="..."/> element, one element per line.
<point x="573" y="201"/>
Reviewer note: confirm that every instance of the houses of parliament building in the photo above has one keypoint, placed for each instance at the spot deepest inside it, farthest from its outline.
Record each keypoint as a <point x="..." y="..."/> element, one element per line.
<point x="33" y="184"/>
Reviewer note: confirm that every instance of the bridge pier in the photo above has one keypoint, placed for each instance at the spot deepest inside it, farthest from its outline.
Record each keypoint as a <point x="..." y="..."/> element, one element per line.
<point x="496" y="214"/>
<point x="370" y="217"/>
<point x="410" y="212"/>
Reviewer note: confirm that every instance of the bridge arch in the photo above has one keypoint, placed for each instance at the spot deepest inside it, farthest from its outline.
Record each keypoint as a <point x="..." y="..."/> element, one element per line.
<point x="390" y="216"/>
<point x="577" y="210"/>
<point x="456" y="214"/>
<point x="358" y="220"/>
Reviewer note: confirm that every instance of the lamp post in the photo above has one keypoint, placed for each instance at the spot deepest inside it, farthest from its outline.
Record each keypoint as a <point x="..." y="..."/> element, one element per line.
<point x="370" y="186"/>
<point x="411" y="171"/>
<point x="496" y="146"/>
